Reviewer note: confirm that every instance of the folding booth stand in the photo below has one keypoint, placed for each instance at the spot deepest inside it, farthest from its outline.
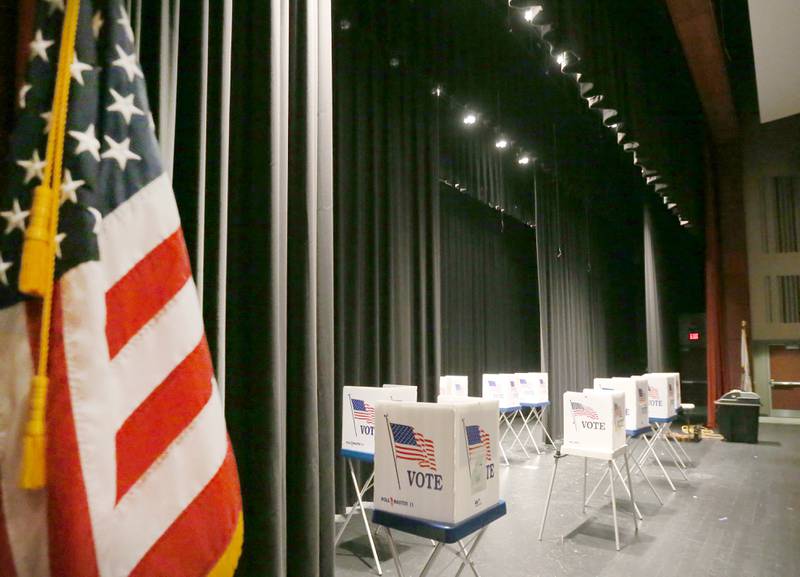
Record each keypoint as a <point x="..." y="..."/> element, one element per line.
<point x="502" y="388"/>
<point x="597" y="433"/>
<point x="358" y="445"/>
<point x="533" y="395"/>
<point x="674" y="380"/>
<point x="443" y="534"/>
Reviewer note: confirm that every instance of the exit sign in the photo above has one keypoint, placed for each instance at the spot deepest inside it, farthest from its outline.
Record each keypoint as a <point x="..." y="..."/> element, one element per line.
<point x="694" y="335"/>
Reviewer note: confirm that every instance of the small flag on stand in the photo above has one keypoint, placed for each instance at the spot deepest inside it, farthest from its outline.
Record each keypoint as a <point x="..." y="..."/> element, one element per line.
<point x="747" y="381"/>
<point x="139" y="472"/>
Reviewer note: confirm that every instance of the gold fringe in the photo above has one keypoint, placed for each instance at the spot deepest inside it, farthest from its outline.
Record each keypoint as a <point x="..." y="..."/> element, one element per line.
<point x="226" y="565"/>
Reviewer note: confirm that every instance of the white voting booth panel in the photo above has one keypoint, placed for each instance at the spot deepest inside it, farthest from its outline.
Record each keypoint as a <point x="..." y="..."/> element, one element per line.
<point x="454" y="386"/>
<point x="436" y="461"/>
<point x="501" y="388"/>
<point x="635" y="390"/>
<point x="532" y="388"/>
<point x="594" y="422"/>
<point x="661" y="395"/>
<point x="358" y="413"/>
<point x="675" y="379"/>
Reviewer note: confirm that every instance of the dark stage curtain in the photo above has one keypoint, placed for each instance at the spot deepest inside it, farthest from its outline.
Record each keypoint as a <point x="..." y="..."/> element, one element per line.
<point x="490" y="304"/>
<point x="387" y="225"/>
<point x="279" y="373"/>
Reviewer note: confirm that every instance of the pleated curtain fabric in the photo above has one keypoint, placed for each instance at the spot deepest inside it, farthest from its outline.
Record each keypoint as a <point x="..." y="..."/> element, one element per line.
<point x="490" y="305"/>
<point x="280" y="303"/>
<point x="387" y="219"/>
<point x="657" y="353"/>
<point x="573" y="330"/>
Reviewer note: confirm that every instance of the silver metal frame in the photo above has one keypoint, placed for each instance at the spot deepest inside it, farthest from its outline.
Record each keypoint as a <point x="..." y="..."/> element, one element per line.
<point x="359" y="506"/>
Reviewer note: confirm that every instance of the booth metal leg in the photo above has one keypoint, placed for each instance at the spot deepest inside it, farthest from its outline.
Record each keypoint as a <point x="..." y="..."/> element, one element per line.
<point x="539" y="413"/>
<point x="613" y="504"/>
<point x="525" y="425"/>
<point x="466" y="554"/>
<point x="429" y="563"/>
<point x="646" y="478"/>
<point x="680" y="446"/>
<point x="630" y="493"/>
<point x="585" y="474"/>
<point x="549" y="495"/>
<point x="502" y="437"/>
<point x="676" y="460"/>
<point x="511" y="428"/>
<point x="651" y="450"/>
<point x="596" y="487"/>
<point x="360" y="492"/>
<point x="625" y="483"/>
<point x="395" y="554"/>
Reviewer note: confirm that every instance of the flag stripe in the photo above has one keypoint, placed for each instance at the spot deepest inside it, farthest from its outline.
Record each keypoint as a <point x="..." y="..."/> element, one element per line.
<point x="193" y="459"/>
<point x="173" y="554"/>
<point x="159" y="420"/>
<point x="145" y="362"/>
<point x="161" y="274"/>
<point x="6" y="561"/>
<point x="136" y="227"/>
<point x="72" y="553"/>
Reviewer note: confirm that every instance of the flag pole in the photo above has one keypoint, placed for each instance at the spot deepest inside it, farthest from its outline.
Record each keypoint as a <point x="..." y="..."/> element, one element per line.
<point x="394" y="456"/>
<point x="466" y="444"/>
<point x="353" y="415"/>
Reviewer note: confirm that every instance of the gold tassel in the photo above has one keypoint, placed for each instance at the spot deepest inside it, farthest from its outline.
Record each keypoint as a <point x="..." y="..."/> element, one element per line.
<point x="33" y="473"/>
<point x="35" y="277"/>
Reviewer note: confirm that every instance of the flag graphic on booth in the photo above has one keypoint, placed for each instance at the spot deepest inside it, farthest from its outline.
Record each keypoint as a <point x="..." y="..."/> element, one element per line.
<point x="581" y="410"/>
<point x="139" y="471"/>
<point x="410" y="445"/>
<point x="479" y="440"/>
<point x="363" y="411"/>
<point x="652" y="392"/>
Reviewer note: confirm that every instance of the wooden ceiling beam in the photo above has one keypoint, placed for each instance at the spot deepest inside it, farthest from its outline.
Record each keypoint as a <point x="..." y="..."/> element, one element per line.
<point x="696" y="26"/>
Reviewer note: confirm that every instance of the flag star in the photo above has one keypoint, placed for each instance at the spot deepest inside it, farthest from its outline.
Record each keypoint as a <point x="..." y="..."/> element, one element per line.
<point x="125" y="22"/>
<point x="33" y="167"/>
<point x="77" y="68"/>
<point x="97" y="23"/>
<point x="59" y="239"/>
<point x="69" y="188"/>
<point x="39" y="47"/>
<point x="87" y="142"/>
<point x="55" y="5"/>
<point x="124" y="105"/>
<point x="23" y="95"/>
<point x="15" y="218"/>
<point x="120" y="151"/>
<point x="48" y="119"/>
<point x="4" y="266"/>
<point x="128" y="63"/>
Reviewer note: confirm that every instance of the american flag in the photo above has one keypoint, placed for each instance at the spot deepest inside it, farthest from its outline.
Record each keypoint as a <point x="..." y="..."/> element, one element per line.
<point x="653" y="392"/>
<point x="363" y="411"/>
<point x="478" y="440"/>
<point x="412" y="446"/>
<point x="141" y="478"/>
<point x="581" y="410"/>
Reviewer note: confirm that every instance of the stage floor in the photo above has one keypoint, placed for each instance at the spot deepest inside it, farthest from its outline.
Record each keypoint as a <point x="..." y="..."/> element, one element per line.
<point x="739" y="516"/>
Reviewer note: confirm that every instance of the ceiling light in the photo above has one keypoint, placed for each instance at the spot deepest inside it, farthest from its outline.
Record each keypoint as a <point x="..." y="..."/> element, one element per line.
<point x="684" y="222"/>
<point x="470" y="118"/>
<point x="531" y="13"/>
<point x="671" y="205"/>
<point x="501" y="143"/>
<point x="562" y="59"/>
<point x="524" y="159"/>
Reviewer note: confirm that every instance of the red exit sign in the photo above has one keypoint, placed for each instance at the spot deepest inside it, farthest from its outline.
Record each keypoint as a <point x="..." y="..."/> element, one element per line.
<point x="694" y="336"/>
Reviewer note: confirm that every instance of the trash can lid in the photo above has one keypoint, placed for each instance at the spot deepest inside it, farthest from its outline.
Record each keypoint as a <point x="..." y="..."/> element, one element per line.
<point x="737" y="397"/>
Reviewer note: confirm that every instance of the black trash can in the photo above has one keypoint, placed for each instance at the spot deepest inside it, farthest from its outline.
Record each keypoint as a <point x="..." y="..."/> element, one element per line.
<point x="737" y="416"/>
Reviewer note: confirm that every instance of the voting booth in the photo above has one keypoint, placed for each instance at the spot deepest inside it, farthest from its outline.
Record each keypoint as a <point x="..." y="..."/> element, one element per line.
<point x="532" y="388"/>
<point x="358" y="415"/>
<point x="503" y="389"/>
<point x="436" y="461"/>
<point x="534" y="395"/>
<point x="594" y="428"/>
<point x="635" y="391"/>
<point x="660" y="395"/>
<point x="453" y="386"/>
<point x="358" y="443"/>
<point x="675" y="379"/>
<point x="594" y="422"/>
